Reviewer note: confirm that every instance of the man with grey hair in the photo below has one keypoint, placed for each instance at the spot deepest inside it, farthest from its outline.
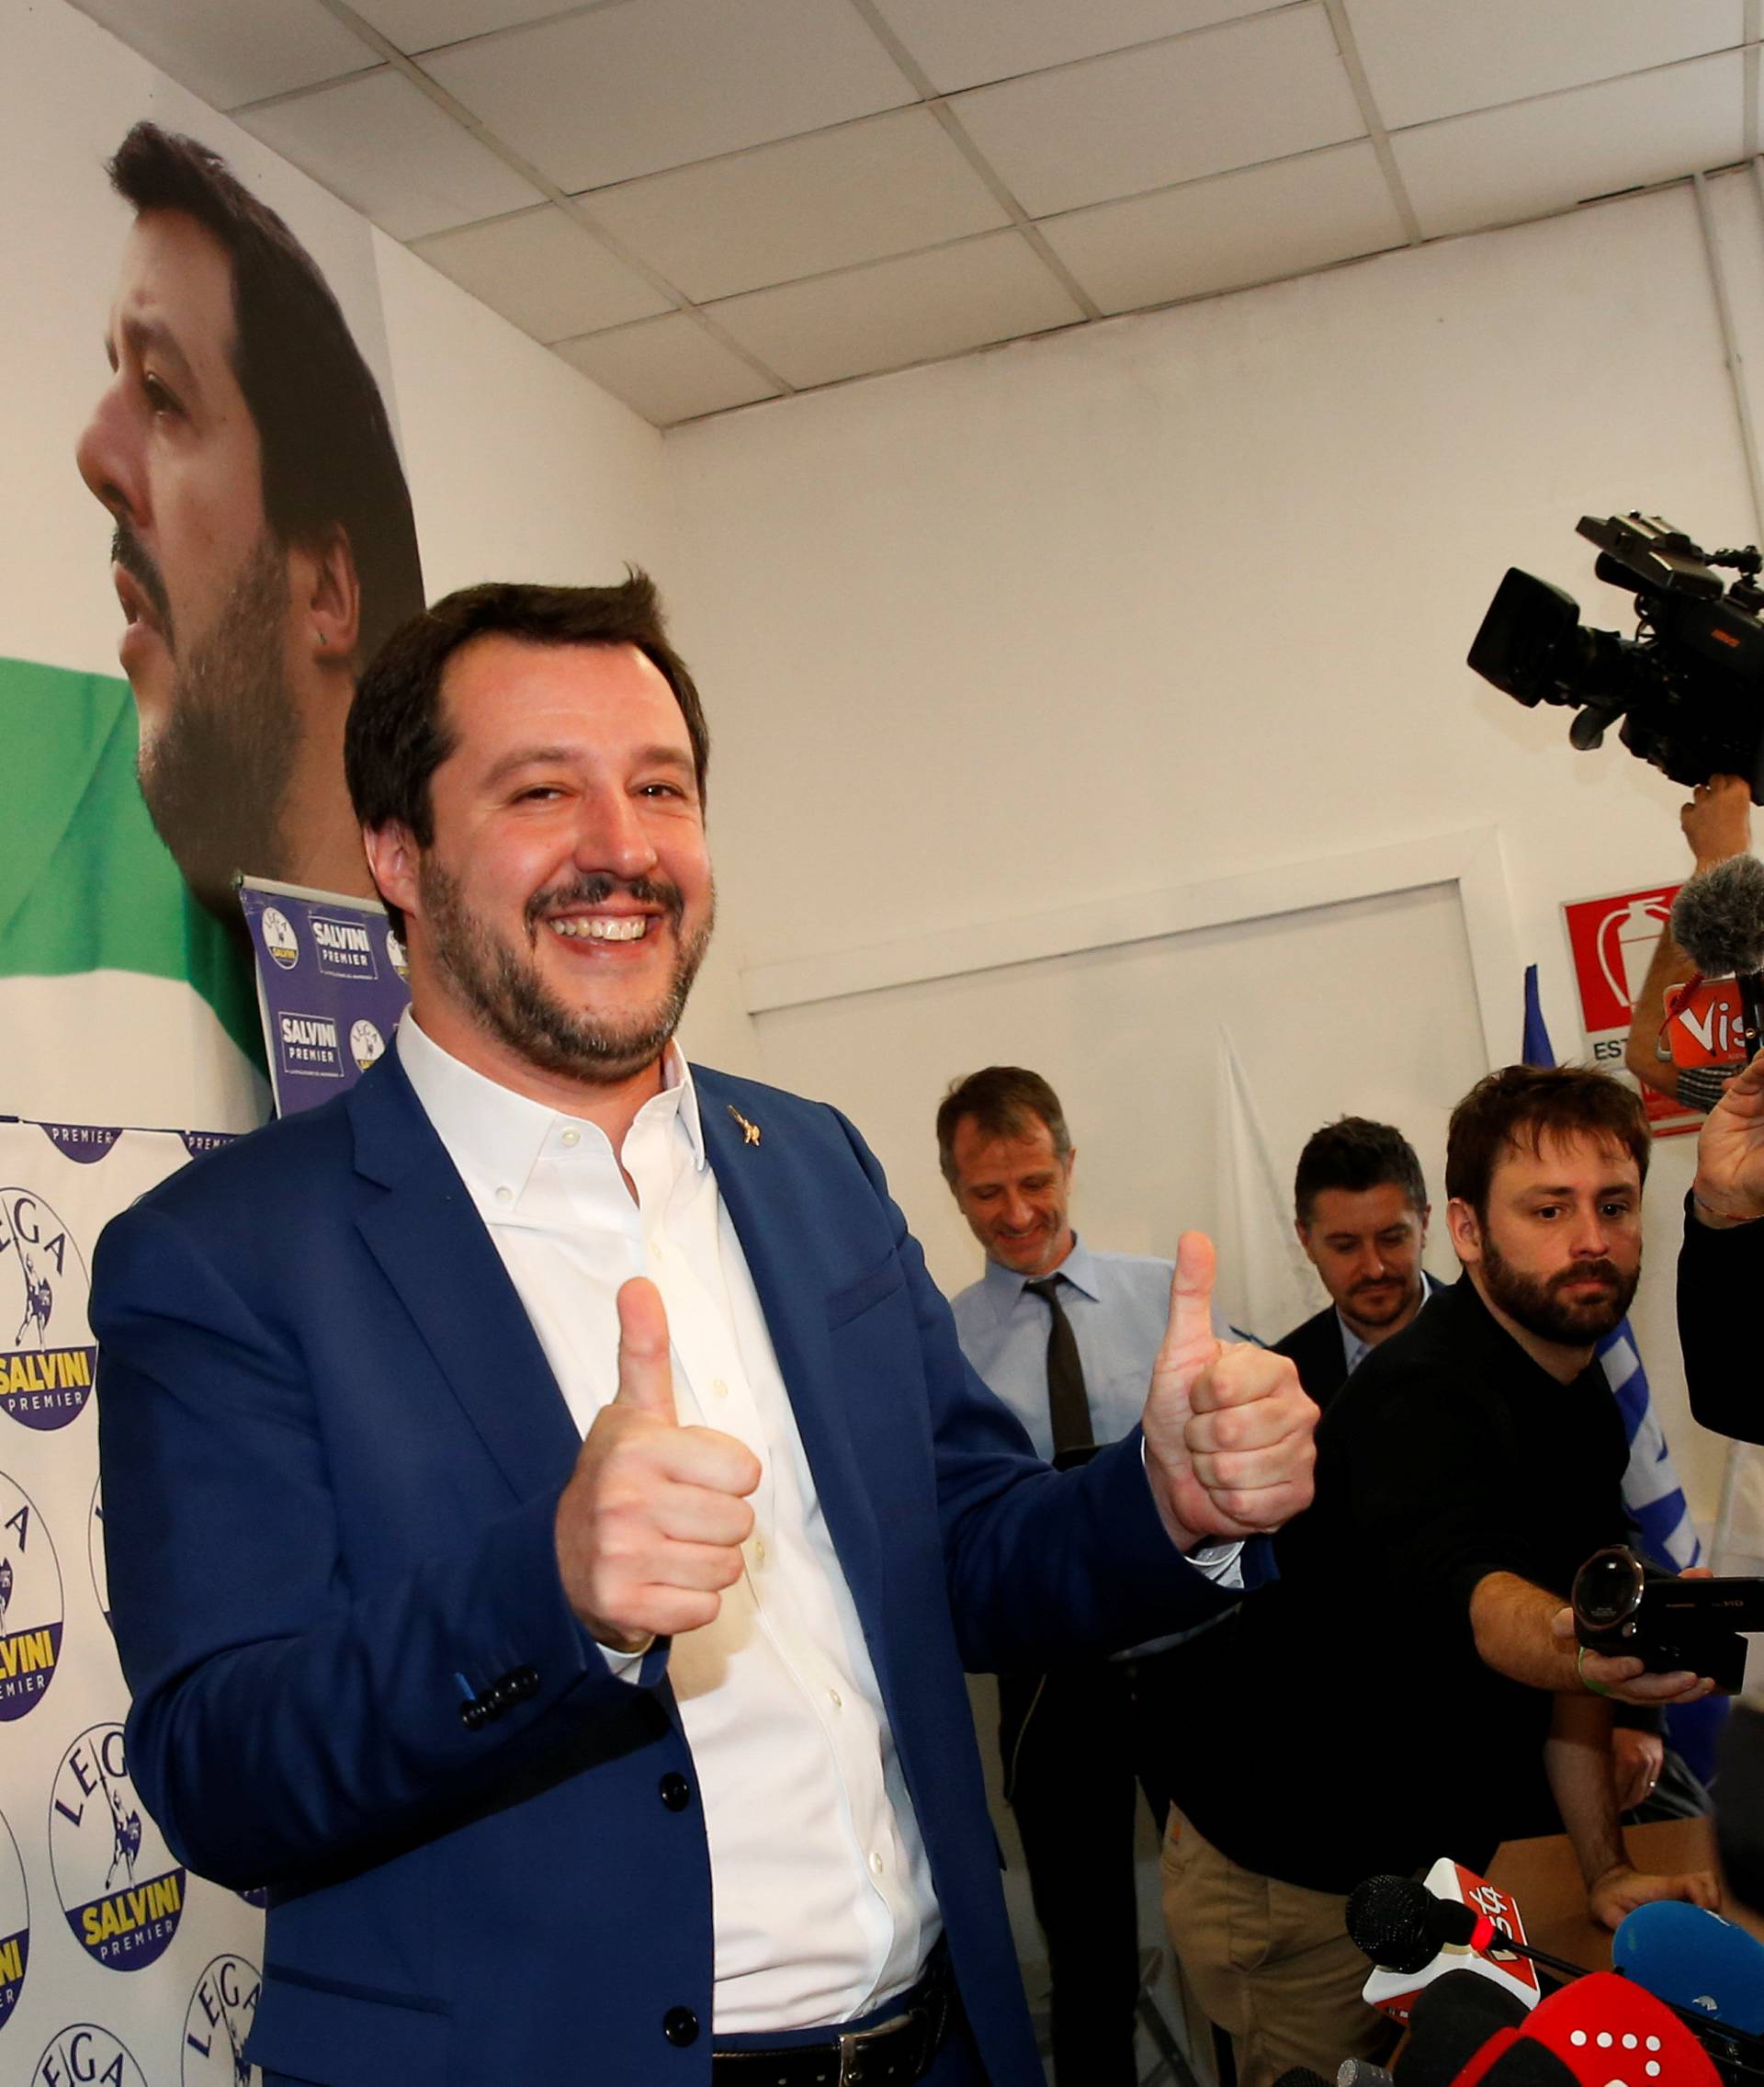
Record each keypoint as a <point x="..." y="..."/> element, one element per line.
<point x="1066" y="1337"/>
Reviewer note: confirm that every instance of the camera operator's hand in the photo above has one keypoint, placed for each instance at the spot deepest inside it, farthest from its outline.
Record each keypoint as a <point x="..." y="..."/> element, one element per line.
<point x="1621" y="1889"/>
<point x="1718" y="819"/>
<point x="1626" y="1680"/>
<point x="1729" y="1185"/>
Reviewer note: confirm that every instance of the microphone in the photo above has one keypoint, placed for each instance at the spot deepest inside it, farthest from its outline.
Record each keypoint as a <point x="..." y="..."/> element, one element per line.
<point x="1451" y="2022"/>
<point x="1602" y="2031"/>
<point x="1718" y="922"/>
<point x="1693" y="1960"/>
<point x="1396" y="1921"/>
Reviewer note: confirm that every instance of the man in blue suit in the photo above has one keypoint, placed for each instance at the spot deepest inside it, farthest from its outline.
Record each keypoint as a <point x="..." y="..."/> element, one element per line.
<point x="547" y="1511"/>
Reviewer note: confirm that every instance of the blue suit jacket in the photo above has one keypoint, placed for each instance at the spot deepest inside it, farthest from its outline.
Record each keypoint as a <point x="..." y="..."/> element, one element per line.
<point x="332" y="1452"/>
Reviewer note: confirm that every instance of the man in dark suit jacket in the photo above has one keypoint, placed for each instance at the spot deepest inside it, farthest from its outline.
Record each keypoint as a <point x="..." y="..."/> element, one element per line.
<point x="1361" y="1210"/>
<point x="570" y="1740"/>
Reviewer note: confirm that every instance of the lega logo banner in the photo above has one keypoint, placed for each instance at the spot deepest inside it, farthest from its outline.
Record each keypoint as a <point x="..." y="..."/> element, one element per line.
<point x="119" y="1885"/>
<point x="31" y="1603"/>
<point x="46" y="1348"/>
<point x="331" y="982"/>
<point x="82" y="2055"/>
<point x="221" y="2009"/>
<point x="15" y="1923"/>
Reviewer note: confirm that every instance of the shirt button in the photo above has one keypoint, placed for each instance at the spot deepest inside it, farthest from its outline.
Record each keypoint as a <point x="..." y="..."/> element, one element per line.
<point x="876" y="1864"/>
<point x="680" y="2026"/>
<point x="572" y="1137"/>
<point x="719" y="1387"/>
<point x="836" y="1700"/>
<point x="758" y="1550"/>
<point x="504" y="1195"/>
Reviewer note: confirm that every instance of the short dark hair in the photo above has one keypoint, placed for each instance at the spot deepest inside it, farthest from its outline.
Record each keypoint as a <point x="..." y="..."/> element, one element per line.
<point x="398" y="734"/>
<point x="1354" y="1154"/>
<point x="1005" y="1101"/>
<point x="329" y="461"/>
<point x="1517" y="1107"/>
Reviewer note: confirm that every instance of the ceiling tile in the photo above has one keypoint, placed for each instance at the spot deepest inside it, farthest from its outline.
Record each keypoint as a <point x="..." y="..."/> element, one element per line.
<point x="913" y="309"/>
<point x="856" y="193"/>
<point x="540" y="269"/>
<point x="421" y="24"/>
<point x="383" y="145"/>
<point x="234" y="51"/>
<point x="667" y="368"/>
<point x="631" y="89"/>
<point x="1247" y="227"/>
<point x="1520" y="162"/>
<point x="962" y="42"/>
<point x="1430" y="58"/>
<point x="1224" y="98"/>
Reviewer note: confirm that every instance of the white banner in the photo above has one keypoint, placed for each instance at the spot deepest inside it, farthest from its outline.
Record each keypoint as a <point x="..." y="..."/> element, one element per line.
<point x="115" y="1962"/>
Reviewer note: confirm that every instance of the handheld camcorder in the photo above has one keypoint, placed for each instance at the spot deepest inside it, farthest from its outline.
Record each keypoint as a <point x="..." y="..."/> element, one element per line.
<point x="1628" y="1609"/>
<point x="1689" y="688"/>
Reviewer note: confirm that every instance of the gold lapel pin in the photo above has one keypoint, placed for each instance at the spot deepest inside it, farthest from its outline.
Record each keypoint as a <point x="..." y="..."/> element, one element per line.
<point x="750" y="1131"/>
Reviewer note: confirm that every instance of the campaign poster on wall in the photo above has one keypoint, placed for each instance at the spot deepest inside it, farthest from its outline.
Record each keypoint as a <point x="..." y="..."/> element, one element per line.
<point x="217" y="535"/>
<point x="331" y="984"/>
<point x="113" y="1956"/>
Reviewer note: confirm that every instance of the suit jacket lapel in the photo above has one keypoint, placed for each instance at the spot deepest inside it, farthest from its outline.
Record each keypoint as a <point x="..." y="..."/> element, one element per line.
<point x="433" y="1250"/>
<point x="770" y="1192"/>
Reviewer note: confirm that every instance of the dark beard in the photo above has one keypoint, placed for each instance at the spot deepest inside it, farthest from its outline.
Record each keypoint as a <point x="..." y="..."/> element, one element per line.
<point x="215" y="773"/>
<point x="508" y="996"/>
<point x="1533" y="1302"/>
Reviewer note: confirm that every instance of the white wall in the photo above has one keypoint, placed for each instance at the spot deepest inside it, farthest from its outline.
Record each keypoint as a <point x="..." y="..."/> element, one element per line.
<point x="1189" y="593"/>
<point x="520" y="468"/>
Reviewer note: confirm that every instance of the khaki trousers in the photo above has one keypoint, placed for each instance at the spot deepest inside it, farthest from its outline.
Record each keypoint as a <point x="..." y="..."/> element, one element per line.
<point x="1270" y="1962"/>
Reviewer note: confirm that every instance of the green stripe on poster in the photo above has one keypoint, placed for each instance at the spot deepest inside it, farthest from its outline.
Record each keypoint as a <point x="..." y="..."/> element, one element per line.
<point x="85" y="883"/>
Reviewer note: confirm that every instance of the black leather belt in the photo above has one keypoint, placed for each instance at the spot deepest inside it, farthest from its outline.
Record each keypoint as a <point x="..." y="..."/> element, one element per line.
<point x="896" y="2051"/>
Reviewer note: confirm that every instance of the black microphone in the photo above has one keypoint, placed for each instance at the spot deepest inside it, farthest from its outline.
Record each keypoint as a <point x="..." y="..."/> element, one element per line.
<point x="1399" y="1914"/>
<point x="1452" y="2020"/>
<point x="1402" y="1925"/>
<point x="1718" y="922"/>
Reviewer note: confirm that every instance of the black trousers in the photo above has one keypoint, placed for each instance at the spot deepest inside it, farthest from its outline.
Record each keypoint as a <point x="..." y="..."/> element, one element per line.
<point x="1077" y="1745"/>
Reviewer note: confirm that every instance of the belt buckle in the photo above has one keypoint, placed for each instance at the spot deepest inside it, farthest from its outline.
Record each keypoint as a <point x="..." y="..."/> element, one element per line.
<point x="853" y="2045"/>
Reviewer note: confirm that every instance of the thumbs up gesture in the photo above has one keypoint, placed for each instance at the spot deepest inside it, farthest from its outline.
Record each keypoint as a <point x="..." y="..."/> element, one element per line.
<point x="650" y="1526"/>
<point x="1227" y="1425"/>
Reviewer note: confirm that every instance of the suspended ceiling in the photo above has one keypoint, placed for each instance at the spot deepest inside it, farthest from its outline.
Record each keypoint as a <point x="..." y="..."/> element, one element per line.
<point x="703" y="203"/>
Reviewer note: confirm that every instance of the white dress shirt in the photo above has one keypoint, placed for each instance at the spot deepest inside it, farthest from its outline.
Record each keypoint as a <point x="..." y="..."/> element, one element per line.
<point x="822" y="1901"/>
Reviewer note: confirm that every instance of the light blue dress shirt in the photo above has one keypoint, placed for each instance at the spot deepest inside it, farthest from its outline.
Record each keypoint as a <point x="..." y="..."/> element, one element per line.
<point x="1118" y="1305"/>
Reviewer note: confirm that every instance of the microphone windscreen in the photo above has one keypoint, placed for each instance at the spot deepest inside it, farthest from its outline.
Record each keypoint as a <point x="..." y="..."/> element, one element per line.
<point x="1718" y="917"/>
<point x="1520" y="2063"/>
<point x="1452" y="2020"/>
<point x="1693" y="1959"/>
<point x="1391" y="1918"/>
<point x="1605" y="2028"/>
<point x="1301" y="2076"/>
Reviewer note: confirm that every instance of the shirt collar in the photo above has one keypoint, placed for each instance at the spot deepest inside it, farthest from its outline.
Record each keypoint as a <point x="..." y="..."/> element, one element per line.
<point x="1354" y="1349"/>
<point x="493" y="1135"/>
<point x="1005" y="1285"/>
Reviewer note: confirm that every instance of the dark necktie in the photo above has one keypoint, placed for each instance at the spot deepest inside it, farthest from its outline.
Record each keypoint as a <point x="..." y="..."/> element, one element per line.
<point x="1068" y="1407"/>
